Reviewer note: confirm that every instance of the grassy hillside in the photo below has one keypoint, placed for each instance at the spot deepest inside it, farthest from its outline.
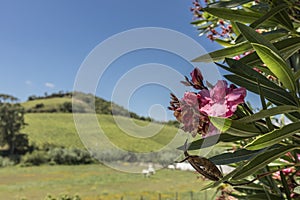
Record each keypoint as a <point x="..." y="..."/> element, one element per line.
<point x="52" y="128"/>
<point x="46" y="105"/>
<point x="59" y="129"/>
<point x="95" y="182"/>
<point x="75" y="102"/>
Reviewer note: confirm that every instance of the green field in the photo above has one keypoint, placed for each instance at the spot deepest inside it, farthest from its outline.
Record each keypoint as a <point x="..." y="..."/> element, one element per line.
<point x="59" y="129"/>
<point x="95" y="182"/>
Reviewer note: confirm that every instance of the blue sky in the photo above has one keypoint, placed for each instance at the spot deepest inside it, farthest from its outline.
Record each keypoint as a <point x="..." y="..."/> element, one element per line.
<point x="44" y="43"/>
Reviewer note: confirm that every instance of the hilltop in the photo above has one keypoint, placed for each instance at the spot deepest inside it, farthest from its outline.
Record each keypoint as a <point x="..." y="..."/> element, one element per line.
<point x="61" y="102"/>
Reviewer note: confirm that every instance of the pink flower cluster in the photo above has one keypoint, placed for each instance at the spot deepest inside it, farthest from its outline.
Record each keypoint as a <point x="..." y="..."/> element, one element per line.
<point x="194" y="109"/>
<point x="290" y="174"/>
<point x="220" y="29"/>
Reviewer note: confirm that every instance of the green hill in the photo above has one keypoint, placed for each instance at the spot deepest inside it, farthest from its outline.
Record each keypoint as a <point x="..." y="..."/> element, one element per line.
<point x="78" y="102"/>
<point x="59" y="129"/>
<point x="46" y="105"/>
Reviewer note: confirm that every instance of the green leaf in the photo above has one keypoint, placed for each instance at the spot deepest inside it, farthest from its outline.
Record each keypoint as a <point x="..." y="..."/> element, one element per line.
<point x="268" y="15"/>
<point x="269" y="112"/>
<point x="251" y="186"/>
<point x="276" y="97"/>
<point x="297" y="75"/>
<point x="228" y="4"/>
<point x="253" y="37"/>
<point x="264" y="106"/>
<point x="199" y="22"/>
<point x="246" y="77"/>
<point x="243" y="69"/>
<point x="224" y="43"/>
<point x="274" y="137"/>
<point x="235" y="128"/>
<point x="286" y="47"/>
<point x="285" y="186"/>
<point x="226" y="52"/>
<point x="261" y="160"/>
<point x="210" y="141"/>
<point x="237" y="15"/>
<point x="237" y="156"/>
<point x="284" y="20"/>
<point x="235" y="29"/>
<point x="269" y="55"/>
<point x="276" y="65"/>
<point x="297" y="190"/>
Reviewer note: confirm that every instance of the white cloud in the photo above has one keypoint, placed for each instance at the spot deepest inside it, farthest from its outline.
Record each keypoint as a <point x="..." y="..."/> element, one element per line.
<point x="49" y="85"/>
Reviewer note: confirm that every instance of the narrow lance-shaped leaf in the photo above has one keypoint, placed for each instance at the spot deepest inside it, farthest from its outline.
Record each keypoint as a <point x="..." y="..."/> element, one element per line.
<point x="210" y="141"/>
<point x="271" y="95"/>
<point x="264" y="105"/>
<point x="227" y="52"/>
<point x="274" y="137"/>
<point x="297" y="75"/>
<point x="237" y="156"/>
<point x="270" y="112"/>
<point x="253" y="37"/>
<point x="285" y="185"/>
<point x="269" y="55"/>
<point x="261" y="160"/>
<point x="228" y="4"/>
<point x="286" y="47"/>
<point x="276" y="65"/>
<point x="268" y="15"/>
<point x="235" y="128"/>
<point x="237" y="15"/>
<point x="284" y="20"/>
<point x="246" y="77"/>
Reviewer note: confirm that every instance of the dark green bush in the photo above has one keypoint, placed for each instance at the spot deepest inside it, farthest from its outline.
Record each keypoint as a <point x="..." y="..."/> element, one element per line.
<point x="69" y="156"/>
<point x="37" y="157"/>
<point x="63" y="197"/>
<point x="57" y="156"/>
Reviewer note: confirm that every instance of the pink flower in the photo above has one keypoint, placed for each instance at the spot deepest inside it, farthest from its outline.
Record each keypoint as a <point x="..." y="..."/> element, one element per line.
<point x="194" y="109"/>
<point x="286" y="172"/>
<point x="222" y="101"/>
<point x="236" y="57"/>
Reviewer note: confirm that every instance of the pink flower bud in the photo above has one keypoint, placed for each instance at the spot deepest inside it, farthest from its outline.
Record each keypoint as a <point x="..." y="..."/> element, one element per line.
<point x="196" y="76"/>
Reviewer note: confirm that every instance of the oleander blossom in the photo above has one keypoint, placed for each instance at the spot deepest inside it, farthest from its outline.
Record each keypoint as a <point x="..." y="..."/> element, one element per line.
<point x="194" y="109"/>
<point x="221" y="100"/>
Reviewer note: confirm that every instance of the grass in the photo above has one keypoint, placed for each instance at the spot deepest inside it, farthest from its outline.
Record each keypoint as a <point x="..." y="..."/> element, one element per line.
<point x="132" y="135"/>
<point x="52" y="128"/>
<point x="94" y="182"/>
<point x="49" y="104"/>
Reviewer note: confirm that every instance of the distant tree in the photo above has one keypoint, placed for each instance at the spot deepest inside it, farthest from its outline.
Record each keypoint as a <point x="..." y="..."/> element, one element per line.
<point x="11" y="122"/>
<point x="66" y="107"/>
<point x="32" y="97"/>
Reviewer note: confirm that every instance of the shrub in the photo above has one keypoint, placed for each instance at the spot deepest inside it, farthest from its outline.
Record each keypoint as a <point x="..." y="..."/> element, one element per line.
<point x="74" y="156"/>
<point x="5" y="162"/>
<point x="37" y="157"/>
<point x="39" y="105"/>
<point x="63" y="197"/>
